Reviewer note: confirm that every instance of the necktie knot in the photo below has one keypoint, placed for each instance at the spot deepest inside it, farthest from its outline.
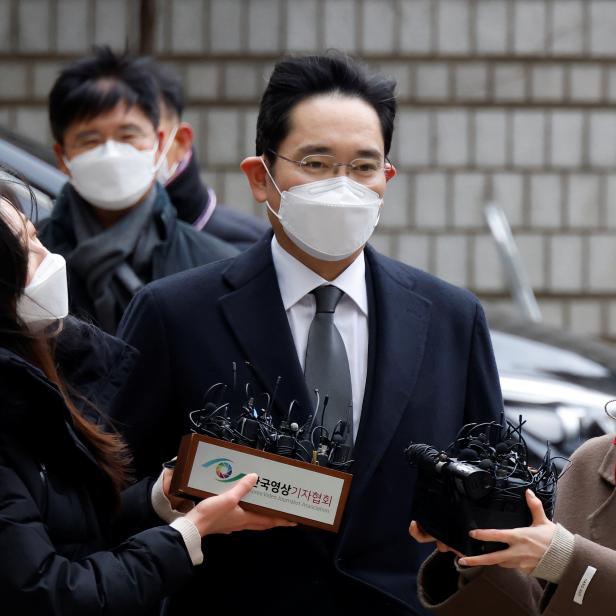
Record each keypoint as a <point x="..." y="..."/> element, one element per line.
<point x="327" y="298"/>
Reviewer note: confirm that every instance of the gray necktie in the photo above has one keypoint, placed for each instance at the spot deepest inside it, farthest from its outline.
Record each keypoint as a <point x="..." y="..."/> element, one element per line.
<point x="327" y="364"/>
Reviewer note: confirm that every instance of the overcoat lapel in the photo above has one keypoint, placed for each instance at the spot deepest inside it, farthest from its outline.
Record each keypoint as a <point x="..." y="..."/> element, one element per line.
<point x="399" y="326"/>
<point x="255" y="314"/>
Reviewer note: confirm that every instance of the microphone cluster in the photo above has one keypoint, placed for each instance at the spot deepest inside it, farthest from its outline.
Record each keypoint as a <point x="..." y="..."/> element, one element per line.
<point x="479" y="481"/>
<point x="247" y="419"/>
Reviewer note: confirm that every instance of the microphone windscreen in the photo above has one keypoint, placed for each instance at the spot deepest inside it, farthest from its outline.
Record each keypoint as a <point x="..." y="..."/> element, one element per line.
<point x="502" y="448"/>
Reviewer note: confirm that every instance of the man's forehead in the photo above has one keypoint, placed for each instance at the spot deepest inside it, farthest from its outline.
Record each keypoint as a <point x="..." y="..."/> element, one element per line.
<point x="122" y="115"/>
<point x="324" y="123"/>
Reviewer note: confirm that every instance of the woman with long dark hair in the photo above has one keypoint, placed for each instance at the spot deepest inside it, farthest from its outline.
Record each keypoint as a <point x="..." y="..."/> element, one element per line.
<point x="72" y="538"/>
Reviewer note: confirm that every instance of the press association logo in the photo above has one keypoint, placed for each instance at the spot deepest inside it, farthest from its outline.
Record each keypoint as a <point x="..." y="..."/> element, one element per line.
<point x="223" y="469"/>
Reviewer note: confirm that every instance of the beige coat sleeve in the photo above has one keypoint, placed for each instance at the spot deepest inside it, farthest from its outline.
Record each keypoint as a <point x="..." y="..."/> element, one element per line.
<point x="510" y="593"/>
<point x="588" y="585"/>
<point x="494" y="590"/>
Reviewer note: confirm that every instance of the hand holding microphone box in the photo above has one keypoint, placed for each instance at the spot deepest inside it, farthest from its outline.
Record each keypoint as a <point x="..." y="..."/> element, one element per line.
<point x="479" y="481"/>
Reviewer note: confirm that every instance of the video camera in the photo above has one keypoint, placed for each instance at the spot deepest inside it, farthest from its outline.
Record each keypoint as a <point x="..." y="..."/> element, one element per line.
<point x="246" y="418"/>
<point x="479" y="481"/>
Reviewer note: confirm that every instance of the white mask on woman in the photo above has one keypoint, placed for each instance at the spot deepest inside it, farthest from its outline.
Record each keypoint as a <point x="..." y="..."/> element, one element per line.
<point x="113" y="175"/>
<point x="328" y="219"/>
<point x="45" y="299"/>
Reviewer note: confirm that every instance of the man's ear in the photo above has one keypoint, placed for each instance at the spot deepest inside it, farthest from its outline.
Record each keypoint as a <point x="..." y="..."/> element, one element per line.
<point x="59" y="153"/>
<point x="184" y="138"/>
<point x="390" y="171"/>
<point x="254" y="170"/>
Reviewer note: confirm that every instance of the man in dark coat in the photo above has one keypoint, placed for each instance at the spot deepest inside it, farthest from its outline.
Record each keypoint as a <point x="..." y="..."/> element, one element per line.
<point x="112" y="222"/>
<point x="416" y="359"/>
<point x="195" y="202"/>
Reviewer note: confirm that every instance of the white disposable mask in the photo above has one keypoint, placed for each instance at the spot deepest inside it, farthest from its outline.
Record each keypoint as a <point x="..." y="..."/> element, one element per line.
<point x="45" y="299"/>
<point x="113" y="175"/>
<point x="166" y="173"/>
<point x="328" y="219"/>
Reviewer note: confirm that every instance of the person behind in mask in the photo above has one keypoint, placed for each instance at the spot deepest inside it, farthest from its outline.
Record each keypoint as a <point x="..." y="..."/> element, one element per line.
<point x="73" y="538"/>
<point x="112" y="222"/>
<point x="195" y="202"/>
<point x="401" y="355"/>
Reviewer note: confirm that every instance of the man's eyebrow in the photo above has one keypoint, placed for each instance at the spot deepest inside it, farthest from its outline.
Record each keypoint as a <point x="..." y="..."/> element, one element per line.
<point x="369" y="153"/>
<point x="85" y="134"/>
<point x="130" y="126"/>
<point x="313" y="149"/>
<point x="323" y="149"/>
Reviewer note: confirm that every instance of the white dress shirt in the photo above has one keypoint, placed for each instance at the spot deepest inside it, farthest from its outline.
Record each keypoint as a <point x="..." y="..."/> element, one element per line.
<point x="296" y="281"/>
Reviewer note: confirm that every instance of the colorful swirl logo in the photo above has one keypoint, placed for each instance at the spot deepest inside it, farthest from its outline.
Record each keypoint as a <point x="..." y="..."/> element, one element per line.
<point x="223" y="467"/>
<point x="224" y="470"/>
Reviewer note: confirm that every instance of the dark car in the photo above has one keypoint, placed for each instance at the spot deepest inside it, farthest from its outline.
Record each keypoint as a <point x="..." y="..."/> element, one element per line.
<point x="560" y="383"/>
<point x="35" y="164"/>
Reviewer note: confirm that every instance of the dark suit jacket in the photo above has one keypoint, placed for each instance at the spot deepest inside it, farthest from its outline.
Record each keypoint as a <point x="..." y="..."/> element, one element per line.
<point x="430" y="370"/>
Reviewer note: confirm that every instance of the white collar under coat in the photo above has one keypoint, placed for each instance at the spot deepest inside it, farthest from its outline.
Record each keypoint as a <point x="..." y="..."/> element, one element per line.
<point x="296" y="280"/>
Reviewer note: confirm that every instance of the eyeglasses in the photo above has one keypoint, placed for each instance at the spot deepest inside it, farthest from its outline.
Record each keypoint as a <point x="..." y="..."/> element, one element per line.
<point x="323" y="165"/>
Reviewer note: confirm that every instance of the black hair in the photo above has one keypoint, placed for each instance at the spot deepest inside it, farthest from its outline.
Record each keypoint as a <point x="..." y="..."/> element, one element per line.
<point x="96" y="84"/>
<point x="13" y="263"/>
<point x="170" y="86"/>
<point x="296" y="79"/>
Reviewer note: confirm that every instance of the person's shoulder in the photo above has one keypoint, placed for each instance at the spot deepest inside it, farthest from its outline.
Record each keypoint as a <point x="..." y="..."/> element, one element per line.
<point x="434" y="289"/>
<point x="213" y="246"/>
<point x="56" y="230"/>
<point x="593" y="451"/>
<point x="235" y="226"/>
<point x="197" y="279"/>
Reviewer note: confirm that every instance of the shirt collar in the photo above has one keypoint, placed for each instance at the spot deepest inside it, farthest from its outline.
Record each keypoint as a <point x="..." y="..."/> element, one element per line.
<point x="296" y="280"/>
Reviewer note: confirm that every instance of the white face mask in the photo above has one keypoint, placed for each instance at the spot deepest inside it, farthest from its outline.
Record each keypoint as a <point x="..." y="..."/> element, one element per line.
<point x="113" y="175"/>
<point x="45" y="299"/>
<point x="328" y="219"/>
<point x="166" y="173"/>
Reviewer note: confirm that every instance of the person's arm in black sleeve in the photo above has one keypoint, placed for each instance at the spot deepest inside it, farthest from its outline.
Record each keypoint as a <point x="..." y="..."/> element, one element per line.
<point x="142" y="410"/>
<point x="34" y="579"/>
<point x="484" y="400"/>
<point x="136" y="511"/>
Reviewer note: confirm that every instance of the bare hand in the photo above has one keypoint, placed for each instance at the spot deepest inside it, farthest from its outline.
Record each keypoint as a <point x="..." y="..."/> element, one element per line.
<point x="179" y="504"/>
<point x="527" y="545"/>
<point x="222" y="513"/>
<point x="418" y="533"/>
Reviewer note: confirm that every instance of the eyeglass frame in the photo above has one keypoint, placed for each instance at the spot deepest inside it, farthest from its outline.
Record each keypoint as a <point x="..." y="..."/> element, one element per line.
<point x="299" y="163"/>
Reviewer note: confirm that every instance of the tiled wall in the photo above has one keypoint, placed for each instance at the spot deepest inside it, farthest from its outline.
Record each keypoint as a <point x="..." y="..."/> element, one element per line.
<point x="510" y="98"/>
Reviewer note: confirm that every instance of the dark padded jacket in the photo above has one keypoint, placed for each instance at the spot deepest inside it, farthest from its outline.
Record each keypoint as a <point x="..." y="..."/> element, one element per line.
<point x="64" y="545"/>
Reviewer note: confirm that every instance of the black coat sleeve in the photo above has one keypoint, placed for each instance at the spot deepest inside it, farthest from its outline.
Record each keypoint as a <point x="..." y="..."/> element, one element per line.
<point x="483" y="393"/>
<point x="142" y="409"/>
<point x="136" y="511"/>
<point x="34" y="579"/>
